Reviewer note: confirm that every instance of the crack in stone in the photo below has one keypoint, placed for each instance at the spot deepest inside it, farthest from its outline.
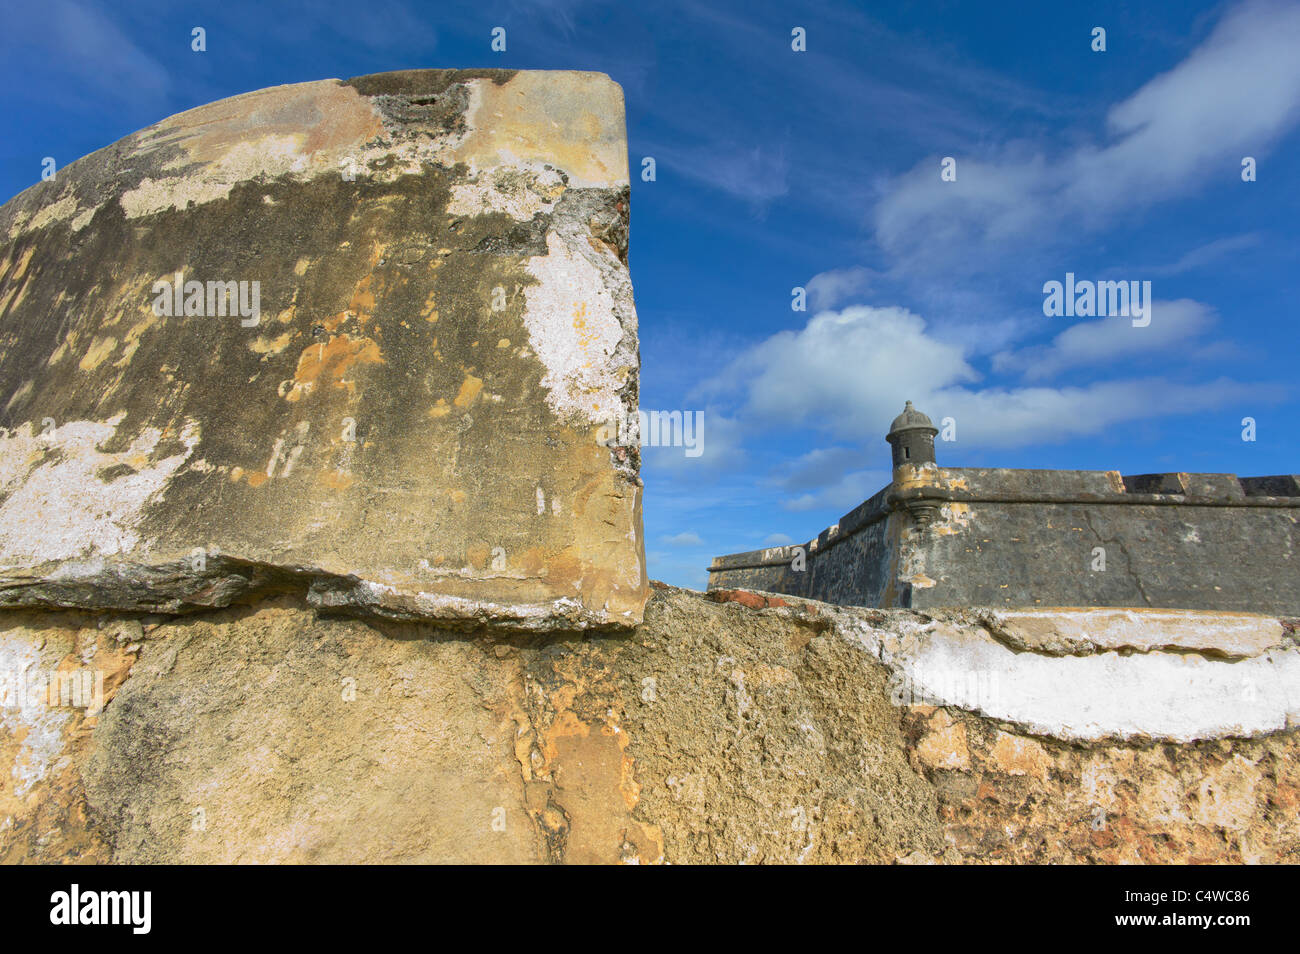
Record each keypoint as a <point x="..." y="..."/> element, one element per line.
<point x="1128" y="559"/>
<point x="176" y="589"/>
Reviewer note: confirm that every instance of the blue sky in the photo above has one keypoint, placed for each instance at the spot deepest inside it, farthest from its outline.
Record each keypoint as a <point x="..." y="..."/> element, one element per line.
<point x="821" y="169"/>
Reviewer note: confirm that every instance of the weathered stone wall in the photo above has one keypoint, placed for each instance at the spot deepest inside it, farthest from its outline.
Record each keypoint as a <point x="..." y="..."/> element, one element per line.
<point x="406" y="415"/>
<point x="1164" y="540"/>
<point x="856" y="558"/>
<point x="349" y="578"/>
<point x="862" y="559"/>
<point x="1052" y="538"/>
<point x="1009" y="797"/>
<point x="771" y="570"/>
<point x="741" y="728"/>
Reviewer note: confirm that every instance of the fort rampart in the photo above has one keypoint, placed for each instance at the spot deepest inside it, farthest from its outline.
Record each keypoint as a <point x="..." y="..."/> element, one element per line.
<point x="964" y="536"/>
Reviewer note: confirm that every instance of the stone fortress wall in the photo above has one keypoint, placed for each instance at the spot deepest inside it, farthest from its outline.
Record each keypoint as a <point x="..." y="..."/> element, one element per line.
<point x="356" y="582"/>
<point x="964" y="536"/>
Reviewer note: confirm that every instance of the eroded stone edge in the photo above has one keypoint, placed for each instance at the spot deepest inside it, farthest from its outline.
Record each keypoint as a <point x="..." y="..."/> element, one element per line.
<point x="1176" y="694"/>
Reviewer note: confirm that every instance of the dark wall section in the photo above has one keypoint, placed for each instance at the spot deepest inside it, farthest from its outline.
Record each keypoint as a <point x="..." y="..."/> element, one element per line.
<point x="992" y="537"/>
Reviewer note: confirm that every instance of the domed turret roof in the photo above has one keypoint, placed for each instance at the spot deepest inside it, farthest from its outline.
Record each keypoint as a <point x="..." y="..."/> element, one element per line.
<point x="911" y="418"/>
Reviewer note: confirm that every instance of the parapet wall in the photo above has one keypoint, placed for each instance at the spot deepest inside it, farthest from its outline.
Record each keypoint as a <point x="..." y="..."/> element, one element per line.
<point x="1049" y="538"/>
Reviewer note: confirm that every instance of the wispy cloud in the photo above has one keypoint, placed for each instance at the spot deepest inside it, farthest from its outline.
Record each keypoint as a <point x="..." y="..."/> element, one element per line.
<point x="1098" y="343"/>
<point x="756" y="174"/>
<point x="1016" y="417"/>
<point x="817" y="468"/>
<point x="1234" y="95"/>
<point x="1210" y="253"/>
<point x="90" y="45"/>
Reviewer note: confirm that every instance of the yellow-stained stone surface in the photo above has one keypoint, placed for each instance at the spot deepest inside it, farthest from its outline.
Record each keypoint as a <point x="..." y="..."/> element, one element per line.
<point x="735" y="728"/>
<point x="434" y="326"/>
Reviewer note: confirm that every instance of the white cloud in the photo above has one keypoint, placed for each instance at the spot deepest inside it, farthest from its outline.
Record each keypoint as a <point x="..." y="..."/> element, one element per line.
<point x="828" y="289"/>
<point x="1100" y="341"/>
<point x="777" y="540"/>
<point x="688" y="538"/>
<point x="847" y="373"/>
<point x="848" y="368"/>
<point x="1234" y="95"/>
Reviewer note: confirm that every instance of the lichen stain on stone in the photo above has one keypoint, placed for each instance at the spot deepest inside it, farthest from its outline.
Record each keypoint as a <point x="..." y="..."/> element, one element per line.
<point x="363" y="299"/>
<point x="1017" y="755"/>
<point x="337" y="479"/>
<point x="265" y="345"/>
<point x="60" y="210"/>
<point x="582" y="132"/>
<point x="328" y="362"/>
<point x="42" y="797"/>
<point x="601" y="565"/>
<point x="954" y="517"/>
<point x="131" y="340"/>
<point x="469" y="390"/>
<point x="37" y="728"/>
<point x="910" y="476"/>
<point x="99" y="349"/>
<point x="594" y="784"/>
<point x="520" y="193"/>
<point x="305" y="129"/>
<point x="14" y="270"/>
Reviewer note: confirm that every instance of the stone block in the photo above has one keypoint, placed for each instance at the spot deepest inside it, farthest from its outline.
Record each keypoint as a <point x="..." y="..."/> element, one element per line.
<point x="362" y="337"/>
